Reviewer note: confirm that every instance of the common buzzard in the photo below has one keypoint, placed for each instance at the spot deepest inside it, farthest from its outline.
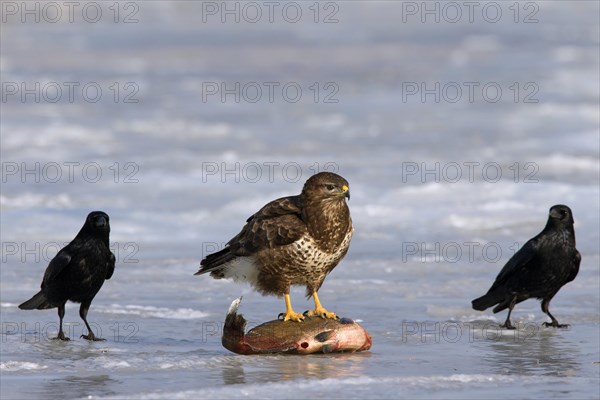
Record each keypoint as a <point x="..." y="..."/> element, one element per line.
<point x="295" y="240"/>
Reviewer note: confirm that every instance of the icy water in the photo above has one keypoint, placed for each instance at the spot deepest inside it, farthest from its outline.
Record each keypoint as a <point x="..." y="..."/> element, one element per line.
<point x="458" y="126"/>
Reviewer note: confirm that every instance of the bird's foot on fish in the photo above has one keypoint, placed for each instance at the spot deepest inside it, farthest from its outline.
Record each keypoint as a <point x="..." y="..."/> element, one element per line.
<point x="321" y="312"/>
<point x="92" y="338"/>
<point x="291" y="316"/>
<point x="555" y="324"/>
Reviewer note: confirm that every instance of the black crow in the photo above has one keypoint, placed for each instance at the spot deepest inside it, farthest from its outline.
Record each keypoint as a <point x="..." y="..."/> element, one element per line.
<point x="539" y="269"/>
<point x="77" y="272"/>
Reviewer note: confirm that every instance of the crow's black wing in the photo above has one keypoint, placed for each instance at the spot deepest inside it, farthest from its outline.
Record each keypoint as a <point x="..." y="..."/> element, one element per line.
<point x="111" y="266"/>
<point x="517" y="264"/>
<point x="57" y="265"/>
<point x="575" y="269"/>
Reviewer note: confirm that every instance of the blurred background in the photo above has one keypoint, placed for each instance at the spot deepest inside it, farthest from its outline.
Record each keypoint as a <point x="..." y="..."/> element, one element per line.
<point x="457" y="124"/>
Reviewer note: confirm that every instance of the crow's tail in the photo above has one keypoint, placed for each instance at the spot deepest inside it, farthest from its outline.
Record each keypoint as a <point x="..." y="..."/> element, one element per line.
<point x="37" y="302"/>
<point x="487" y="300"/>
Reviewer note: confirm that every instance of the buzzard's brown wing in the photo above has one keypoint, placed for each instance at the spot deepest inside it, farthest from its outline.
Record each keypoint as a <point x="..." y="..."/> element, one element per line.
<point x="276" y="224"/>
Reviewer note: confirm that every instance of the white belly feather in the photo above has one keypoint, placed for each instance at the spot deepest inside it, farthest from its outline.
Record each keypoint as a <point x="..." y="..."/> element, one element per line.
<point x="242" y="269"/>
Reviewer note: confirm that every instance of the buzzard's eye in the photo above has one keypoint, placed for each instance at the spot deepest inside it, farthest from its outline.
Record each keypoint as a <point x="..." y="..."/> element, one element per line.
<point x="330" y="187"/>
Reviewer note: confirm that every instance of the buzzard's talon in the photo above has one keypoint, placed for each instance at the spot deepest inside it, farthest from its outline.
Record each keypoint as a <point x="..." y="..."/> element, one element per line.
<point x="321" y="312"/>
<point x="292" y="316"/>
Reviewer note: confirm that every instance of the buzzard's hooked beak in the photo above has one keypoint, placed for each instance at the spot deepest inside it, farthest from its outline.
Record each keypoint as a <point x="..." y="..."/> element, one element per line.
<point x="346" y="192"/>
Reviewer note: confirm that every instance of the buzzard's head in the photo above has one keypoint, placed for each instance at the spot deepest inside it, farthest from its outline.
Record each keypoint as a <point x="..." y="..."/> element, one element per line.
<point x="326" y="186"/>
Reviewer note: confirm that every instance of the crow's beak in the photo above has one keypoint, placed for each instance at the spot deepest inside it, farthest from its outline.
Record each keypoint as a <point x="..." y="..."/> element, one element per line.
<point x="557" y="213"/>
<point x="100" y="222"/>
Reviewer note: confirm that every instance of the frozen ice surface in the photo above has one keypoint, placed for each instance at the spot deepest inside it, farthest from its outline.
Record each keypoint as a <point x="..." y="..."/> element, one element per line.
<point x="445" y="188"/>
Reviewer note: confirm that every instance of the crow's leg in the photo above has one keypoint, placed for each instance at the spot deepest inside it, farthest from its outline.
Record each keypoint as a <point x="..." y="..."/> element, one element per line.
<point x="61" y="315"/>
<point x="507" y="324"/>
<point x="546" y="310"/>
<point x="83" y="310"/>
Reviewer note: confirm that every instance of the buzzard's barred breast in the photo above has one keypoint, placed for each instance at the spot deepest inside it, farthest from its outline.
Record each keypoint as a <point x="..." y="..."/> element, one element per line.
<point x="299" y="263"/>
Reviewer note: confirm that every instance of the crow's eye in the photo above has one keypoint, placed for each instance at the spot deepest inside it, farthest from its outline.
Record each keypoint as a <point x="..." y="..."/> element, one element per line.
<point x="330" y="187"/>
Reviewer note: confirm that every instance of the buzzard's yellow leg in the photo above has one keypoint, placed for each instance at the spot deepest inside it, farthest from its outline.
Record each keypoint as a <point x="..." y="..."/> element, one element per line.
<point x="290" y="315"/>
<point x="320" y="310"/>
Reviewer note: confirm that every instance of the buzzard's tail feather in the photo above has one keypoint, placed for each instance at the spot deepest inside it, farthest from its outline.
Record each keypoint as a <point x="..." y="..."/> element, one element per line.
<point x="215" y="260"/>
<point x="489" y="299"/>
<point x="37" y="302"/>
